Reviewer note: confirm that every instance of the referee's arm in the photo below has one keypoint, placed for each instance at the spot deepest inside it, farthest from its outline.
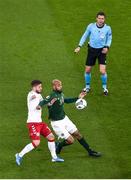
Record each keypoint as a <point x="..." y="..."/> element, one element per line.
<point x="109" y="38"/>
<point x="83" y="38"/>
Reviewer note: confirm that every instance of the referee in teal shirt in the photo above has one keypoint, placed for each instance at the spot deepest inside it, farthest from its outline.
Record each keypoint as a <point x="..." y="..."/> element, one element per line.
<point x="100" y="38"/>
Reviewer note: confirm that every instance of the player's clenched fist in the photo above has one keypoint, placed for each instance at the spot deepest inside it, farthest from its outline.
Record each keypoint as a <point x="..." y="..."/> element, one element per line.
<point x="77" y="49"/>
<point x="38" y="107"/>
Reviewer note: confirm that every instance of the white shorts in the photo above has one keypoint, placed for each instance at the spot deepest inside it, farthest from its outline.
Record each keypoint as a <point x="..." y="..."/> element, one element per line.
<point x="63" y="128"/>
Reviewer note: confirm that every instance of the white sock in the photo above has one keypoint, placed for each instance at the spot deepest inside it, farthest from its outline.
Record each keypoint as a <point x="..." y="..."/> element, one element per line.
<point x="27" y="148"/>
<point x="51" y="146"/>
<point x="87" y="86"/>
<point x="104" y="86"/>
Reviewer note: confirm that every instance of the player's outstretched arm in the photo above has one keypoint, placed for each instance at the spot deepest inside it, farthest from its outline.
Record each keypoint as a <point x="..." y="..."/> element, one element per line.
<point x="70" y="100"/>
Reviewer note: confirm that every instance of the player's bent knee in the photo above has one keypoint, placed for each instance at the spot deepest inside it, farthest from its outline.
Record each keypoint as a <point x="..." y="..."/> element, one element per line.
<point x="36" y="143"/>
<point x="70" y="140"/>
<point x="87" y="70"/>
<point x="77" y="135"/>
<point x="50" y="137"/>
<point x="102" y="69"/>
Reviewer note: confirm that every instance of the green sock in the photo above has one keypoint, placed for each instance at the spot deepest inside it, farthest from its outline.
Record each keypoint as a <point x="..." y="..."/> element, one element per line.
<point x="63" y="143"/>
<point x="83" y="142"/>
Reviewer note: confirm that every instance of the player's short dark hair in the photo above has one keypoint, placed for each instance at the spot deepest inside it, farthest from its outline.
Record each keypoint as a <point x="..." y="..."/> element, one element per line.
<point x="101" y="13"/>
<point x="35" y="82"/>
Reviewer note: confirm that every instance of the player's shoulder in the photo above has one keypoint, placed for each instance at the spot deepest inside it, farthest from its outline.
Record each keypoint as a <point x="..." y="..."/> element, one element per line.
<point x="51" y="95"/>
<point x="108" y="26"/>
<point x="90" y="25"/>
<point x="34" y="94"/>
<point x="31" y="93"/>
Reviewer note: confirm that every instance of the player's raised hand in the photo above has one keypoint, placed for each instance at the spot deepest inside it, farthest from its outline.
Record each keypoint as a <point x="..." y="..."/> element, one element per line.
<point x="77" y="50"/>
<point x="82" y="94"/>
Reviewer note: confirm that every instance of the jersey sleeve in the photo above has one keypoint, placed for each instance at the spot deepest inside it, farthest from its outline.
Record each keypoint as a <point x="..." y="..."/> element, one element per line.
<point x="70" y="100"/>
<point x="31" y="96"/>
<point x="46" y="100"/>
<point x="109" y="37"/>
<point x="85" y="35"/>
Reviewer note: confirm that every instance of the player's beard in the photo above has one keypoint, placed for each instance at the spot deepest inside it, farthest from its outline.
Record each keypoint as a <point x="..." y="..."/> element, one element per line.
<point x="38" y="92"/>
<point x="60" y="91"/>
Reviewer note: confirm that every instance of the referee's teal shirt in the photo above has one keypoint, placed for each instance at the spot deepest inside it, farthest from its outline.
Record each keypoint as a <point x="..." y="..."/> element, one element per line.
<point x="99" y="37"/>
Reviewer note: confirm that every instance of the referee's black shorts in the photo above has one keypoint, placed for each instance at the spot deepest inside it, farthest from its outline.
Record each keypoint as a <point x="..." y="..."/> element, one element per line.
<point x="94" y="54"/>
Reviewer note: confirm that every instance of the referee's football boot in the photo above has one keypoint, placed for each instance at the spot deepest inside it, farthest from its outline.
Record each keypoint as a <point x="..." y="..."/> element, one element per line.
<point x="105" y="91"/>
<point x="94" y="153"/>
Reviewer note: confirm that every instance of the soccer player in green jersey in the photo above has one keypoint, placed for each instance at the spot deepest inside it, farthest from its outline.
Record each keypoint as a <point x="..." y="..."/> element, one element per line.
<point x="61" y="124"/>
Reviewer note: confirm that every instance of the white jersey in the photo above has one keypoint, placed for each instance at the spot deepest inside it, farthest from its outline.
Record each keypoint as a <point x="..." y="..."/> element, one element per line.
<point x="33" y="100"/>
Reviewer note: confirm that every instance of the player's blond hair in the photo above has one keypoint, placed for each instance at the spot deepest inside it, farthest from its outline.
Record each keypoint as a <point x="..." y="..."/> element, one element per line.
<point x="56" y="81"/>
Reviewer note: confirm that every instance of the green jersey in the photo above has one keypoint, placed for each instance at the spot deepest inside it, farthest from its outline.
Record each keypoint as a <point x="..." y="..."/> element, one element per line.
<point x="55" y="102"/>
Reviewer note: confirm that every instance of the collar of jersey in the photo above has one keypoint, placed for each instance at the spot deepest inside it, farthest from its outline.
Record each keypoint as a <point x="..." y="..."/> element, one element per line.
<point x="57" y="91"/>
<point x="100" y="26"/>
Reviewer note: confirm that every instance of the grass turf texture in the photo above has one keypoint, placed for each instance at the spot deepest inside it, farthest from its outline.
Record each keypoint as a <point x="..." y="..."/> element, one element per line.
<point x="37" y="39"/>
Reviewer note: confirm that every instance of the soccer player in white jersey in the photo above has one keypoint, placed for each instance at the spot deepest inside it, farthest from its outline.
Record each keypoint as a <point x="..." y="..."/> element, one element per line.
<point x="36" y="126"/>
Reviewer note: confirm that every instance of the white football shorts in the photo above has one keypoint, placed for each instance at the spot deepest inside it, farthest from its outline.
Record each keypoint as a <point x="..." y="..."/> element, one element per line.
<point x="63" y="128"/>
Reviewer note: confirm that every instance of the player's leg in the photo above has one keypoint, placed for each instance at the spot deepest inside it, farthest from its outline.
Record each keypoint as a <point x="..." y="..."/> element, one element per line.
<point x="85" y="145"/>
<point x="87" y="78"/>
<point x="90" y="62"/>
<point x="46" y="132"/>
<point x="102" y="66"/>
<point x="104" y="78"/>
<point x="62" y="133"/>
<point x="29" y="147"/>
<point x="72" y="129"/>
<point x="66" y="142"/>
<point x="34" y="132"/>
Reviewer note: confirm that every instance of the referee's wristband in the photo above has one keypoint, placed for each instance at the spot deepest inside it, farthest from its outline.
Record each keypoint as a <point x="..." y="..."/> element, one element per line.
<point x="79" y="46"/>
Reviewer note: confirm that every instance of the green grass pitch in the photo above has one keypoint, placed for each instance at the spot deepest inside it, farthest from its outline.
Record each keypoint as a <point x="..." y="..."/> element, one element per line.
<point x="37" y="39"/>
